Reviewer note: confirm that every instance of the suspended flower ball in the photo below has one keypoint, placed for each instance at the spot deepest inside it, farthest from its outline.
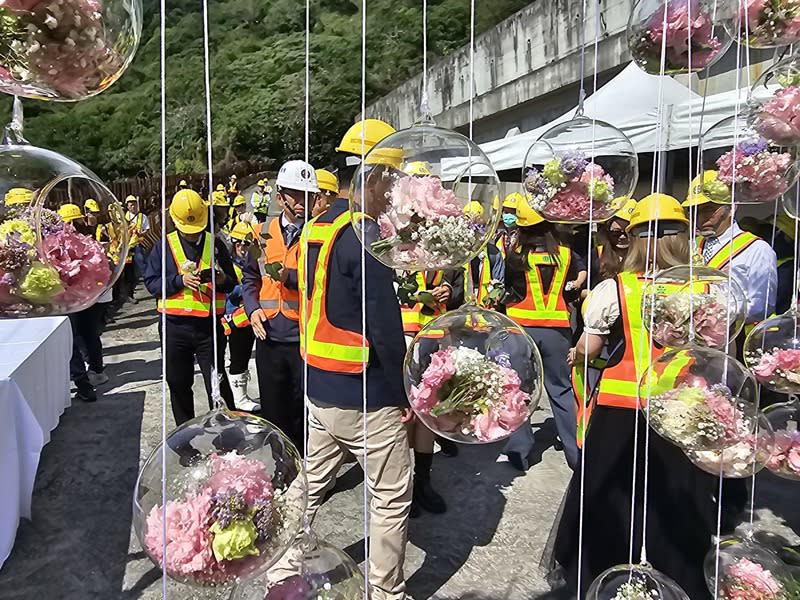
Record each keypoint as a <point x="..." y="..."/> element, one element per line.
<point x="691" y="34"/>
<point x="63" y="235"/>
<point x="784" y="458"/>
<point x="634" y="582"/>
<point x="745" y="569"/>
<point x="430" y="199"/>
<point x="699" y="399"/>
<point x="66" y="50"/>
<point x="473" y="375"/>
<point x="747" y="167"/>
<point x="694" y="305"/>
<point x="743" y="459"/>
<point x="769" y="23"/>
<point x="772" y="353"/>
<point x="321" y="572"/>
<point x="575" y="170"/>
<point x="774" y="102"/>
<point x="235" y="499"/>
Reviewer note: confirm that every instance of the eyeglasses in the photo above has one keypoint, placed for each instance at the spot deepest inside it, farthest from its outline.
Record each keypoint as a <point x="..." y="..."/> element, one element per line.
<point x="659" y="231"/>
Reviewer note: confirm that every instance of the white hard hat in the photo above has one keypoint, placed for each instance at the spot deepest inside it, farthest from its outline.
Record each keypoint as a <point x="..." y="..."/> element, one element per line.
<point x="297" y="175"/>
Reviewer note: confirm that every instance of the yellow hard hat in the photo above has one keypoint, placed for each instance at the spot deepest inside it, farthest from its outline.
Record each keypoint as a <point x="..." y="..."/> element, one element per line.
<point x="706" y="188"/>
<point x="417" y="167"/>
<point x="391" y="157"/>
<point x="513" y="199"/>
<point x="327" y="181"/>
<point x="526" y="216"/>
<point x="623" y="207"/>
<point x="131" y="198"/>
<point x="91" y="205"/>
<point x="473" y="209"/>
<point x="242" y="232"/>
<point x="188" y="212"/>
<point x="183" y="184"/>
<point x="374" y="130"/>
<point x="261" y="183"/>
<point x="219" y="198"/>
<point x="69" y="212"/>
<point x="18" y="196"/>
<point x="661" y="207"/>
<point x="239" y="201"/>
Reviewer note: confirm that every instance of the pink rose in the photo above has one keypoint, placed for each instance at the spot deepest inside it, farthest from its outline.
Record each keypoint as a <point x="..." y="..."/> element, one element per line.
<point x="592" y="171"/>
<point x="387" y="228"/>
<point x="788" y="359"/>
<point x="488" y="428"/>
<point x="766" y="366"/>
<point x="423" y="398"/>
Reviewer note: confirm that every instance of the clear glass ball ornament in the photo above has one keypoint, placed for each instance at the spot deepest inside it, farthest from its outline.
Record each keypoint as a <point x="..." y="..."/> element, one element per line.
<point x="699" y="399"/>
<point x="744" y="569"/>
<point x="774" y="103"/>
<point x="472" y="375"/>
<point x="314" y="570"/>
<point x="767" y="24"/>
<point x="66" y="50"/>
<point x="693" y="305"/>
<point x="743" y="459"/>
<point x="697" y="34"/>
<point x="772" y="353"/>
<point x="236" y="496"/>
<point x="784" y="459"/>
<point x="634" y="582"/>
<point x="430" y="199"/>
<point x="576" y="169"/>
<point x="751" y="170"/>
<point x="63" y="234"/>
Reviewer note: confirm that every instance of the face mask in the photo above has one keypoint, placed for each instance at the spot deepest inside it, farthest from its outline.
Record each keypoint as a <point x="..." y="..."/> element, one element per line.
<point x="509" y="219"/>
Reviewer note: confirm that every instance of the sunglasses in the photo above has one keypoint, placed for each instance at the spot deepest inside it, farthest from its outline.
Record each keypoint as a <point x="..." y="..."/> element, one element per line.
<point x="659" y="231"/>
<point x="616" y="232"/>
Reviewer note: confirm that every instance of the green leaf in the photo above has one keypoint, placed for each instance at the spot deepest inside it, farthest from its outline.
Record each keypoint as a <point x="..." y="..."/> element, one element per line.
<point x="273" y="270"/>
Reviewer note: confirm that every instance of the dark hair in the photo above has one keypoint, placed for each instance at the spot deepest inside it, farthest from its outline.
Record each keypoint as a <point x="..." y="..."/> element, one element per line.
<point x="344" y="172"/>
<point x="541" y="234"/>
<point x="610" y="263"/>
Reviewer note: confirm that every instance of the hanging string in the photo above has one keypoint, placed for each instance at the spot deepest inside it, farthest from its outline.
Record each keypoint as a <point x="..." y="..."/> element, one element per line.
<point x="424" y="109"/>
<point x="304" y="242"/>
<point x="472" y="90"/>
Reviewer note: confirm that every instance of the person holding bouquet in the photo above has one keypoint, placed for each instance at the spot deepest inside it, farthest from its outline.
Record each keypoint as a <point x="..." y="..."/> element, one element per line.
<point x="541" y="275"/>
<point x="681" y="509"/>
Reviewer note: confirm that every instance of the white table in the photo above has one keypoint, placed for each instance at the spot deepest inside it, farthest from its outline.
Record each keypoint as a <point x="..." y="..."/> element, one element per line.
<point x="34" y="391"/>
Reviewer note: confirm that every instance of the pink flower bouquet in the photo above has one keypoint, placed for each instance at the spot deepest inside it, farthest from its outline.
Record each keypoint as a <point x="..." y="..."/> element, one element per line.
<point x="567" y="188"/>
<point x="423" y="224"/>
<point x="778" y="369"/>
<point x="464" y="393"/>
<point x="675" y="314"/>
<point x="216" y="532"/>
<point x="687" y="22"/>
<point x="748" y="580"/>
<point x="756" y="172"/>
<point x="743" y="459"/>
<point x="770" y="23"/>
<point x="785" y="454"/>
<point x="778" y="117"/>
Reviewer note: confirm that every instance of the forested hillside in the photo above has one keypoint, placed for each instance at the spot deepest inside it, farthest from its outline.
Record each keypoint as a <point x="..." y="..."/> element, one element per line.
<point x="257" y="62"/>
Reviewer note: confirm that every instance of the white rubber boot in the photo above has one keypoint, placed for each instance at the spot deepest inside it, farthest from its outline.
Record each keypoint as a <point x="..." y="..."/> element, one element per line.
<point x="240" y="398"/>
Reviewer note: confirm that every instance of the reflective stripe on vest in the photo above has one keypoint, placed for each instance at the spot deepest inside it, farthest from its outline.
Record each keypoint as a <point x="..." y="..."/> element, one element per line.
<point x="274" y="297"/>
<point x="539" y="309"/>
<point x="484" y="280"/>
<point x="190" y="303"/>
<point x="238" y="318"/>
<point x="323" y="345"/>
<point x="722" y="257"/>
<point x="413" y="317"/>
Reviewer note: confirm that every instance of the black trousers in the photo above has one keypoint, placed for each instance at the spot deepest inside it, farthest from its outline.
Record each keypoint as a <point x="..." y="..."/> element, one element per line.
<point x="280" y="377"/>
<point x="87" y="325"/>
<point x="190" y="339"/>
<point x="261" y="217"/>
<point x="240" y="343"/>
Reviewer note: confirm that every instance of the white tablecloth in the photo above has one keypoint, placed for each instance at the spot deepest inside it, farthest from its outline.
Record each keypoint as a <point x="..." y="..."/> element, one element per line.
<point x="34" y="391"/>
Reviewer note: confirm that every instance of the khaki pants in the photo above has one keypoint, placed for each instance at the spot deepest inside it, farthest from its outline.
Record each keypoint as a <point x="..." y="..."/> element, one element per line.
<point x="332" y="433"/>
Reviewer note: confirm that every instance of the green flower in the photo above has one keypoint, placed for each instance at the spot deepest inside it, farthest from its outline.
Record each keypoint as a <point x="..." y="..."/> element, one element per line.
<point x="237" y="540"/>
<point x="598" y="190"/>
<point x="26" y="234"/>
<point x="789" y="79"/>
<point x="691" y="395"/>
<point x="40" y="284"/>
<point x="717" y="191"/>
<point x="553" y="173"/>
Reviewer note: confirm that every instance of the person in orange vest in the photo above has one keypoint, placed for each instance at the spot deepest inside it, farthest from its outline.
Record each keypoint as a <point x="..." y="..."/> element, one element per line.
<point x="541" y="275"/>
<point x="192" y="306"/>
<point x="681" y="509"/>
<point x="272" y="301"/>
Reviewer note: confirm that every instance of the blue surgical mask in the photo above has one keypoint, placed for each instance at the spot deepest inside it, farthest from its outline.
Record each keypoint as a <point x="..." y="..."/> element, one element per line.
<point x="509" y="219"/>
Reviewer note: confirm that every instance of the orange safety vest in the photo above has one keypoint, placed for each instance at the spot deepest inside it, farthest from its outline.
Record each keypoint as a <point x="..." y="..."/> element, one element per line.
<point x="274" y="297"/>
<point x="537" y="308"/>
<point x="722" y="257"/>
<point x="322" y="344"/>
<point x="413" y="317"/>
<point x="190" y="303"/>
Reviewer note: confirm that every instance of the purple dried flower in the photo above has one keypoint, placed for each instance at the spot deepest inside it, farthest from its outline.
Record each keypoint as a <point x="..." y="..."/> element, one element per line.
<point x="14" y="255"/>
<point x="752" y="147"/>
<point x="501" y="358"/>
<point x="262" y="519"/>
<point x="8" y="279"/>
<point x="573" y="164"/>
<point x="535" y="183"/>
<point x="229" y="506"/>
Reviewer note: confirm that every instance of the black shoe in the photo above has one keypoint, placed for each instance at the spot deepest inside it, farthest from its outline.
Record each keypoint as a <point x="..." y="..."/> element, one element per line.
<point x="447" y="447"/>
<point x="558" y="445"/>
<point x="519" y="462"/>
<point x="86" y="391"/>
<point x="427" y="498"/>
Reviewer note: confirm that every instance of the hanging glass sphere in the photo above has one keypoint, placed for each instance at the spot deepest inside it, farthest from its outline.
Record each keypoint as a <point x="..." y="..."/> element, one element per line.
<point x="323" y="572"/>
<point x="235" y="499"/>
<point x="699" y="398"/>
<point x="772" y="353"/>
<point x="473" y="375"/>
<point x="576" y="169"/>
<point x="66" y="50"/>
<point x="768" y="23"/>
<point x="697" y="34"/>
<point x="784" y="458"/>
<point x="431" y="199"/>
<point x="743" y="459"/>
<point x="744" y="569"/>
<point x="774" y="102"/>
<point x="63" y="235"/>
<point x="743" y="166"/>
<point x="693" y="305"/>
<point x="634" y="582"/>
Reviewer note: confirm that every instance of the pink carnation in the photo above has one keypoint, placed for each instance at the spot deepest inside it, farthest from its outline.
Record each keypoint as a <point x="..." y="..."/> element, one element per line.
<point x="423" y="196"/>
<point x="244" y="475"/>
<point x="785" y="452"/>
<point x="81" y="263"/>
<point x="726" y="414"/>
<point x="748" y="580"/>
<point x="440" y="370"/>
<point x="571" y="203"/>
<point x="711" y="325"/>
<point x="785" y="360"/>
<point x="766" y="366"/>
<point x="778" y="119"/>
<point x="680" y="30"/>
<point x="759" y="177"/>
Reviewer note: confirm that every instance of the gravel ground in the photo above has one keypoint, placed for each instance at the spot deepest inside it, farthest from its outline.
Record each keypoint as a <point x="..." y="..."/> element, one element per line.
<point x="488" y="546"/>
